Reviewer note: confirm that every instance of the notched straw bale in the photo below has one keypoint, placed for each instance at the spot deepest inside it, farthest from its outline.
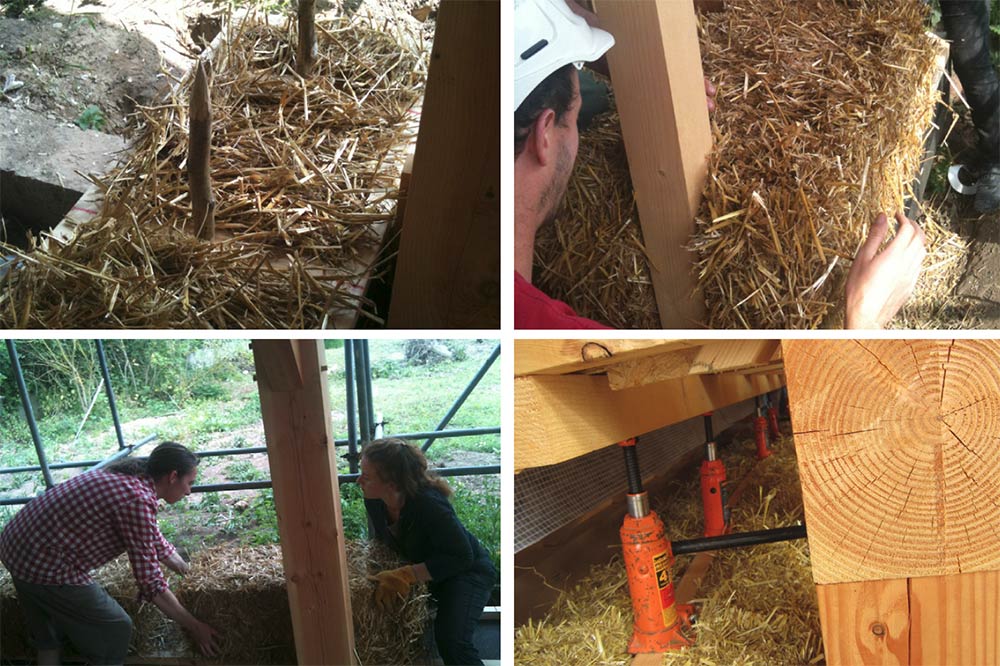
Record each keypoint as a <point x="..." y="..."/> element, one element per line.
<point x="304" y="176"/>
<point x="822" y="109"/>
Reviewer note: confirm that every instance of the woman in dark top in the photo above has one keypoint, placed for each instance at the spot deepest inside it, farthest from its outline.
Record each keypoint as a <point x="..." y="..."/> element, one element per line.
<point x="408" y="509"/>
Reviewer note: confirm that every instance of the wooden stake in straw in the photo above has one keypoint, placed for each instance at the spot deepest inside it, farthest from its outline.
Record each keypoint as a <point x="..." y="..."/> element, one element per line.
<point x="199" y="153"/>
<point x="307" y="37"/>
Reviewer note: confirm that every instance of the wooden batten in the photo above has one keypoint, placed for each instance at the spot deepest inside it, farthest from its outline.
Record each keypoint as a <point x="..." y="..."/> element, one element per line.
<point x="561" y="417"/>
<point x="302" y="458"/>
<point x="448" y="270"/>
<point x="558" y="357"/>
<point x="660" y="94"/>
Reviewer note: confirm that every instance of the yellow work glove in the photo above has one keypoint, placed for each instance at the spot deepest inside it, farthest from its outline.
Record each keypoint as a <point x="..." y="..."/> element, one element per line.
<point x="392" y="583"/>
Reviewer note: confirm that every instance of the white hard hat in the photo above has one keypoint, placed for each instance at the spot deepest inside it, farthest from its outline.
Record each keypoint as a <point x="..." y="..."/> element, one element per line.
<point x="547" y="36"/>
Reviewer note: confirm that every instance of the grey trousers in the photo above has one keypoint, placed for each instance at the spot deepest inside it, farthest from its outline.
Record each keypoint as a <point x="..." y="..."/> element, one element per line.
<point x="85" y="614"/>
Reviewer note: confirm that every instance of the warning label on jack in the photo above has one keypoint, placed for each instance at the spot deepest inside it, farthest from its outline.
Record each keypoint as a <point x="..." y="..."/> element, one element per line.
<point x="661" y="565"/>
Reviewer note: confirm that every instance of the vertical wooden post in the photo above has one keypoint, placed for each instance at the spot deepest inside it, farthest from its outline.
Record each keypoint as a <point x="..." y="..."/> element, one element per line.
<point x="898" y="457"/>
<point x="448" y="270"/>
<point x="307" y="37"/>
<point x="199" y="155"/>
<point x="291" y="378"/>
<point x="660" y="93"/>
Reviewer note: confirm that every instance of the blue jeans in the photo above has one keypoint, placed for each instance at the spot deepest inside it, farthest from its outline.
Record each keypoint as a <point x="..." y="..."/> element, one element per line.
<point x="460" y="602"/>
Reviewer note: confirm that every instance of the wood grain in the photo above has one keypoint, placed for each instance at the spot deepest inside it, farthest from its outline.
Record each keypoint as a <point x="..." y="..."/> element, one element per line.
<point x="448" y="270"/>
<point x="560" y="417"/>
<point x="710" y="357"/>
<point x="660" y="93"/>
<point x="301" y="455"/>
<point x="956" y="619"/>
<point x="865" y="623"/>
<point x="557" y="357"/>
<point x="898" y="455"/>
<point x="199" y="155"/>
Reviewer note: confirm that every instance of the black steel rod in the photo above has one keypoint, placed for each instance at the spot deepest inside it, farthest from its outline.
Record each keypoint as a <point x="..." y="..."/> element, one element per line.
<point x="738" y="540"/>
<point x="364" y="429"/>
<point x="29" y="413"/>
<point x="36" y="468"/>
<point x="709" y="435"/>
<point x="231" y="452"/>
<point x="465" y="394"/>
<point x="369" y="415"/>
<point x="632" y="470"/>
<point x="352" y="425"/>
<point x="103" y="361"/>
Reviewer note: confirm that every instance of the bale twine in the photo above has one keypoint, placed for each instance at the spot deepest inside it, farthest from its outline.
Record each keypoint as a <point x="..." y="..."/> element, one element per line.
<point x="240" y="591"/>
<point x="821" y="112"/>
<point x="304" y="176"/>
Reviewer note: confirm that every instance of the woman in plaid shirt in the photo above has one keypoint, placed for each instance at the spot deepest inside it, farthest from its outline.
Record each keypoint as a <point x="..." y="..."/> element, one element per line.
<point x="53" y="543"/>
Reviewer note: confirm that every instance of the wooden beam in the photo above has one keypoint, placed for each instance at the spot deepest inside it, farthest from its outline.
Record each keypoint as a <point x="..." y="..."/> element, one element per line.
<point x="301" y="454"/>
<point x="559" y="357"/>
<point x="448" y="271"/>
<point x="898" y="457"/>
<point x="199" y="168"/>
<point x="866" y="622"/>
<point x="955" y="619"/>
<point x="660" y="94"/>
<point x="711" y="357"/>
<point x="306" y="55"/>
<point x="561" y="417"/>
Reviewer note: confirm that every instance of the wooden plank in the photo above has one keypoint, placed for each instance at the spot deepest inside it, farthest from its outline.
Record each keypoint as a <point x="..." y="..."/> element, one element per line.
<point x="561" y="417"/>
<point x="448" y="270"/>
<point x="558" y="357"/>
<point x="866" y="622"/>
<point x="301" y="455"/>
<point x="282" y="372"/>
<point x="711" y="357"/>
<point x="955" y="619"/>
<point x="660" y="94"/>
<point x="898" y="456"/>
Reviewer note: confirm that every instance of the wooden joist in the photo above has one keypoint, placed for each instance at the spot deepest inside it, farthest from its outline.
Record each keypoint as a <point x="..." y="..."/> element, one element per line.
<point x="559" y="357"/>
<point x="296" y="411"/>
<point x="710" y="358"/>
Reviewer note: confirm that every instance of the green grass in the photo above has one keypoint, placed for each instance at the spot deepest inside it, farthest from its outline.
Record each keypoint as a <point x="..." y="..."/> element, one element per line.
<point x="410" y="398"/>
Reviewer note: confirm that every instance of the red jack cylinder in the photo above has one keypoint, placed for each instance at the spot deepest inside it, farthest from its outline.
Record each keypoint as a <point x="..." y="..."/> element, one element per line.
<point x="772" y="422"/>
<point x="760" y="433"/>
<point x="713" y="486"/>
<point x="648" y="560"/>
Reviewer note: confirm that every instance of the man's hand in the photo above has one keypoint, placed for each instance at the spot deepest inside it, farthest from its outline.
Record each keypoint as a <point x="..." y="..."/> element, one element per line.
<point x="204" y="636"/>
<point x="879" y="283"/>
<point x="176" y="563"/>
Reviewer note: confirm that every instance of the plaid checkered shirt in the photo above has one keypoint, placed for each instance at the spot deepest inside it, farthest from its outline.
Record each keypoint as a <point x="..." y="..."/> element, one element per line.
<point x="83" y="523"/>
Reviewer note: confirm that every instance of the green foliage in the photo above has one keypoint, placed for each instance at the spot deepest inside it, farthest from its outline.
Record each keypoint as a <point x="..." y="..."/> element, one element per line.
<point x="15" y="8"/>
<point x="352" y="508"/>
<point x="264" y="516"/>
<point x="243" y="470"/>
<point x="91" y="118"/>
<point x="937" y="183"/>
<point x="479" y="511"/>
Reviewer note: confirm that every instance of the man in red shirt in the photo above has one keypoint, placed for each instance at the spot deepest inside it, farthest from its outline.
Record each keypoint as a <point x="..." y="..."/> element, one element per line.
<point x="53" y="543"/>
<point x="550" y="37"/>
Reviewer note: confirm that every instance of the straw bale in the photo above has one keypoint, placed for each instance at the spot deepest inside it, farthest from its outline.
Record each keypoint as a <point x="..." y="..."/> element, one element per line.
<point x="305" y="174"/>
<point x="240" y="591"/>
<point x="821" y="112"/>
<point x="758" y="605"/>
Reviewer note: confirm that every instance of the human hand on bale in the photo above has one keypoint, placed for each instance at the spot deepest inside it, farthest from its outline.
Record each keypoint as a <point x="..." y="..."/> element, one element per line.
<point x="879" y="283"/>
<point x="204" y="636"/>
<point x="176" y="563"/>
<point x="710" y="91"/>
<point x="392" y="584"/>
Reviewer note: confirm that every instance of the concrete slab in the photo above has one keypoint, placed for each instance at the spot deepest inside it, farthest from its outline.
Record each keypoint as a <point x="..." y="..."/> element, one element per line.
<point x="32" y="146"/>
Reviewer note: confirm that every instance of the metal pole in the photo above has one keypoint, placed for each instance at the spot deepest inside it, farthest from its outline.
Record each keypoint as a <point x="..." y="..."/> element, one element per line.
<point x="110" y="391"/>
<point x="352" y="426"/>
<point x="364" y="428"/>
<point x="29" y="413"/>
<point x="369" y="394"/>
<point x="36" y="468"/>
<point x="121" y="453"/>
<point x="465" y="394"/>
<point x="444" y="434"/>
<point x="738" y="540"/>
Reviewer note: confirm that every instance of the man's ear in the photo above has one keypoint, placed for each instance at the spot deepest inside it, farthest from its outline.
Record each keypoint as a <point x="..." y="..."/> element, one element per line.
<point x="541" y="142"/>
<point x="174" y="475"/>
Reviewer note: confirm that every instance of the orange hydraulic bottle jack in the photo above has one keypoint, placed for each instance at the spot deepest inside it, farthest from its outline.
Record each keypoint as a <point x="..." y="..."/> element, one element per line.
<point x="648" y="559"/>
<point x="760" y="432"/>
<point x="713" y="486"/>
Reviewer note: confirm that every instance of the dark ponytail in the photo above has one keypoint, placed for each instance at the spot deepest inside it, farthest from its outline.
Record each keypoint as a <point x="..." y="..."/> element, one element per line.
<point x="404" y="465"/>
<point x="165" y="458"/>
